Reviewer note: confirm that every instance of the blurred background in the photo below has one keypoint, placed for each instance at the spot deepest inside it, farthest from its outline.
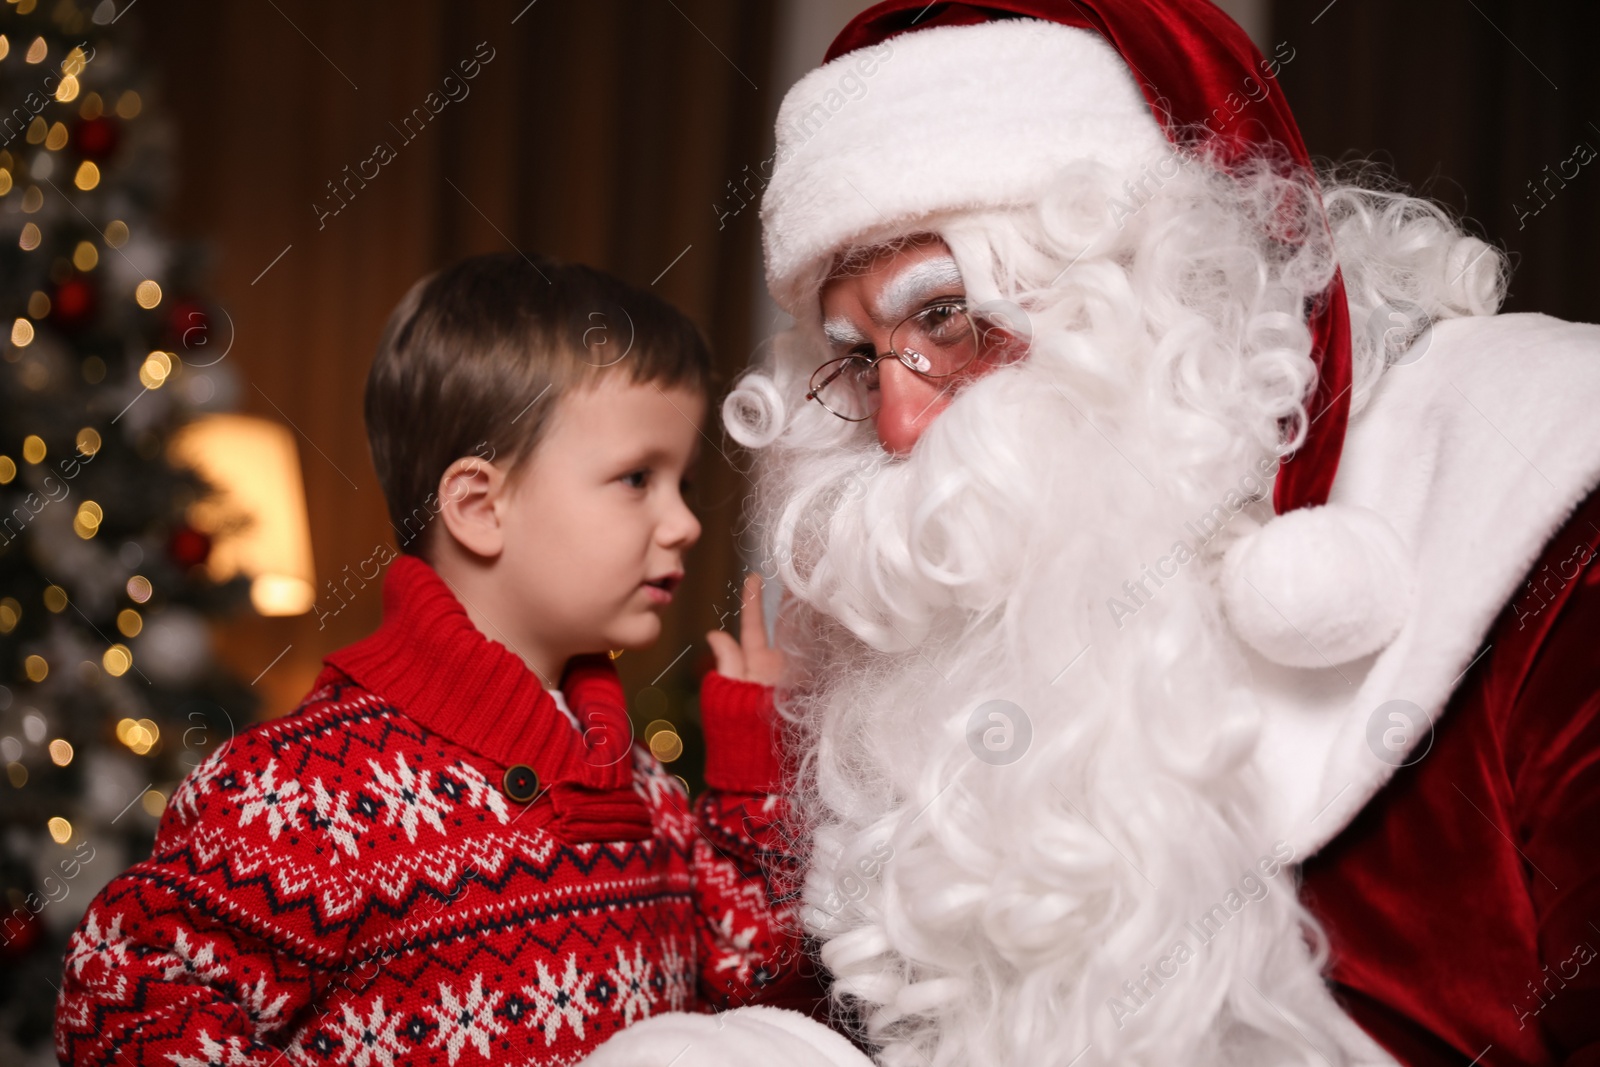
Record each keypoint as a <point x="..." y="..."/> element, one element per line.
<point x="196" y="258"/>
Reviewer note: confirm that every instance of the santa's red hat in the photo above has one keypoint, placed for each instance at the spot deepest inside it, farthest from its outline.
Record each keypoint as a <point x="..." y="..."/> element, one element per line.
<point x="926" y="108"/>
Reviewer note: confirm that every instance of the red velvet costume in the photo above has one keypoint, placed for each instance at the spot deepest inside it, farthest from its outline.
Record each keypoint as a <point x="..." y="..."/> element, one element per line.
<point x="1463" y="903"/>
<point x="358" y="883"/>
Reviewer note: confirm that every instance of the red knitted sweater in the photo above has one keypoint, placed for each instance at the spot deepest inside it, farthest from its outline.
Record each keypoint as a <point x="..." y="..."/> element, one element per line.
<point x="357" y="884"/>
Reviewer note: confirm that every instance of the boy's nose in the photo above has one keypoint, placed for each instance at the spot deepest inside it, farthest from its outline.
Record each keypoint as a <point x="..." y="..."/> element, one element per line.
<point x="681" y="529"/>
<point x="908" y="404"/>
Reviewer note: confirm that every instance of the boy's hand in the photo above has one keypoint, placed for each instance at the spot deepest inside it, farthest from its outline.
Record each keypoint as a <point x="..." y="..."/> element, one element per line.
<point x="749" y="659"/>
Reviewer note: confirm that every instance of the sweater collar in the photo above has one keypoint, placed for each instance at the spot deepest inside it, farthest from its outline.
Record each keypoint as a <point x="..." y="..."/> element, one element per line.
<point x="428" y="660"/>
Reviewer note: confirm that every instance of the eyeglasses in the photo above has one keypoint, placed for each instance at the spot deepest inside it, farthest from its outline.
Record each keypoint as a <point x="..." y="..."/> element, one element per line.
<point x="936" y="342"/>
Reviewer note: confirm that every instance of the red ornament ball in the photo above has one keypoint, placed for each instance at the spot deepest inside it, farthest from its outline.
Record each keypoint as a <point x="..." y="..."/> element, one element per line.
<point x="96" y="138"/>
<point x="188" y="328"/>
<point x="188" y="547"/>
<point x="30" y="931"/>
<point x="72" y="304"/>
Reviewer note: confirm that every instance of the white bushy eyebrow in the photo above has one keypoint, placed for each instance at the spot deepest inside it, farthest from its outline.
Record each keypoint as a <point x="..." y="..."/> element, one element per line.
<point x="842" y="333"/>
<point x="903" y="294"/>
<point x="907" y="290"/>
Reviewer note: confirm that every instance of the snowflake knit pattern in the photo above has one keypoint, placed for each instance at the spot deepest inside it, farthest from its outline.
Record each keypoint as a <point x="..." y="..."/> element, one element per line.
<point x="351" y="885"/>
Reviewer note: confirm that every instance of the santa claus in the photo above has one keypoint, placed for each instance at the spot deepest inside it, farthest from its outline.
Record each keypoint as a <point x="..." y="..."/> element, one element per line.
<point x="1189" y="600"/>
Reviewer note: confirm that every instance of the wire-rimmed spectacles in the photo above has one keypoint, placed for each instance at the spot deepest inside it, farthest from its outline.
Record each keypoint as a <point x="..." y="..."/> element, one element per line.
<point x="936" y="342"/>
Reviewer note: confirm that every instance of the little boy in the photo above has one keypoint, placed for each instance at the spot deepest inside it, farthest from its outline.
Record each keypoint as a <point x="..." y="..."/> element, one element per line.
<point x="452" y="853"/>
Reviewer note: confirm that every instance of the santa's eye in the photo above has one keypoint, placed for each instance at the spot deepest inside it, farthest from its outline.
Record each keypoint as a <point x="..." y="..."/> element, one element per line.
<point x="863" y="373"/>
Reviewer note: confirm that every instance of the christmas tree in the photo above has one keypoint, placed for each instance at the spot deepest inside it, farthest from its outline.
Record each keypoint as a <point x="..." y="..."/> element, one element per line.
<point x="108" y="691"/>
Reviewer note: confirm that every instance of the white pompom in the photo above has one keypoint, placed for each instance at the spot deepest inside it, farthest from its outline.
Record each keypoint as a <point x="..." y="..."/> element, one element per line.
<point x="1319" y="586"/>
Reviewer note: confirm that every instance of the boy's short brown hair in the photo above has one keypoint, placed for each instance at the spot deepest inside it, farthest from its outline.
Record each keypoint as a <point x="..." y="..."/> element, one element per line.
<point x="476" y="356"/>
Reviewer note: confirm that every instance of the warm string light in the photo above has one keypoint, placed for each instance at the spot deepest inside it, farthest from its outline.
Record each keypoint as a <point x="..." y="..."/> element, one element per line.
<point x="140" y="735"/>
<point x="155" y="371"/>
<point x="663" y="739"/>
<point x="117" y="660"/>
<point x="86" y="523"/>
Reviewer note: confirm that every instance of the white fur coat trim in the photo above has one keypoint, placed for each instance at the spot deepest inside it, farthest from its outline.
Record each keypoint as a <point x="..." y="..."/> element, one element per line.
<point x="1476" y="453"/>
<point x="922" y="123"/>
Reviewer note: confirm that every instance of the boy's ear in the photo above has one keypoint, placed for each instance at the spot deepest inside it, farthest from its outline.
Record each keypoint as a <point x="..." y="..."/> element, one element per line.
<point x="469" y="494"/>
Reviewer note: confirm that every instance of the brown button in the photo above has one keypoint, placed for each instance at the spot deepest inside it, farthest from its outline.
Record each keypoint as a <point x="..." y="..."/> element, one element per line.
<point x="521" y="784"/>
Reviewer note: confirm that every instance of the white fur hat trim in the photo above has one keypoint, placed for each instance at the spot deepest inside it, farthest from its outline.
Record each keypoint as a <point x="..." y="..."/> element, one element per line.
<point x="942" y="119"/>
<point x="1317" y="587"/>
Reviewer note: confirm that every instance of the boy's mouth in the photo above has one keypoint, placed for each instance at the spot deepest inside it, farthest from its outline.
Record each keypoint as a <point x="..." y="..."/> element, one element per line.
<point x="661" y="587"/>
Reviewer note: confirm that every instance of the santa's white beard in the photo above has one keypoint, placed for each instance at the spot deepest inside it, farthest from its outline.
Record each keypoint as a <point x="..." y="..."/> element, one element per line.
<point x="1026" y="904"/>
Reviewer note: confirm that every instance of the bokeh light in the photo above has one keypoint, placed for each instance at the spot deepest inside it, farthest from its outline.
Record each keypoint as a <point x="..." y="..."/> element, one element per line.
<point x="116" y="660"/>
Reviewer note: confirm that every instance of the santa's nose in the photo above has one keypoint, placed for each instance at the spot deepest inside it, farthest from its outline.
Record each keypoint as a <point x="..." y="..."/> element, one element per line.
<point x="908" y="405"/>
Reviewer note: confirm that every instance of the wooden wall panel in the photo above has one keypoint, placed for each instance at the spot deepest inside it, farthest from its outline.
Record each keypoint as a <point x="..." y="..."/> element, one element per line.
<point x="601" y="130"/>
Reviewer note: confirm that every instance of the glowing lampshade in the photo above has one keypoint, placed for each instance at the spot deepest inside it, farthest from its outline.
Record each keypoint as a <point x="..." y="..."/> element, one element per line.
<point x="257" y="516"/>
